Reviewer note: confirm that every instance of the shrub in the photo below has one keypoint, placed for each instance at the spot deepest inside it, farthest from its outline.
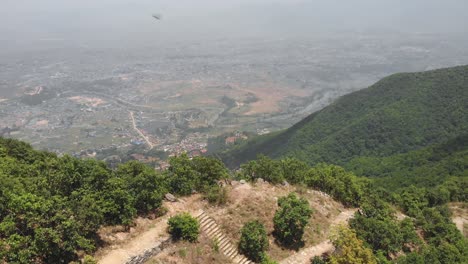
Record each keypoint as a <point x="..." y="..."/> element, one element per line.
<point x="185" y="227"/>
<point x="317" y="260"/>
<point x="290" y="219"/>
<point x="89" y="260"/>
<point x="254" y="241"/>
<point x="216" y="195"/>
<point x="349" y="248"/>
<point x="267" y="260"/>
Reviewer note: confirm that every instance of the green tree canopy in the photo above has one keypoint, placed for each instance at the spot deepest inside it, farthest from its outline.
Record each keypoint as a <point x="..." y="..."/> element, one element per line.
<point x="291" y="219"/>
<point x="185" y="227"/>
<point x="254" y="241"/>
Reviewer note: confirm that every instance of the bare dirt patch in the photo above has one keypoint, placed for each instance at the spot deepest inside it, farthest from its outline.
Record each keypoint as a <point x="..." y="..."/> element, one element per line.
<point x="89" y="101"/>
<point x="269" y="96"/>
<point x="460" y="216"/>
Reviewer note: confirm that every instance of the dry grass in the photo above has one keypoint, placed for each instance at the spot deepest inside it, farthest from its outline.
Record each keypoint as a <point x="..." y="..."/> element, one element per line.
<point x="245" y="203"/>
<point x="259" y="202"/>
<point x="460" y="216"/>
<point x="204" y="251"/>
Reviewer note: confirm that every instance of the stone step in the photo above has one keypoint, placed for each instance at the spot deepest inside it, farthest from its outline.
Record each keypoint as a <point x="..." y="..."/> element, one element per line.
<point x="204" y="221"/>
<point x="233" y="254"/>
<point x="230" y="251"/>
<point x="213" y="231"/>
<point x="223" y="243"/>
<point x="221" y="238"/>
<point x="230" y="248"/>
<point x="210" y="228"/>
<point x="225" y="246"/>
<point x="244" y="260"/>
<point x="208" y="224"/>
<point x="200" y="215"/>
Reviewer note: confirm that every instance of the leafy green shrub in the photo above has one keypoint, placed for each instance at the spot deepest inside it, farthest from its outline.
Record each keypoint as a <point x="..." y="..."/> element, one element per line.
<point x="317" y="260"/>
<point x="216" y="195"/>
<point x="185" y="227"/>
<point x="254" y="241"/>
<point x="265" y="168"/>
<point x="267" y="260"/>
<point x="291" y="219"/>
<point x="89" y="260"/>
<point x="349" y="248"/>
<point x="215" y="245"/>
<point x="198" y="174"/>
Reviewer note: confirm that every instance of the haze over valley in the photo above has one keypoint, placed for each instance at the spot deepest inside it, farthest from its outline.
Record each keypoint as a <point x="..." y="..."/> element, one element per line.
<point x="89" y="78"/>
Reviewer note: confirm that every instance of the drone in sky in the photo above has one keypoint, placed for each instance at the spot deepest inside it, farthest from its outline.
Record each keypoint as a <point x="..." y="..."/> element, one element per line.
<point x="157" y="16"/>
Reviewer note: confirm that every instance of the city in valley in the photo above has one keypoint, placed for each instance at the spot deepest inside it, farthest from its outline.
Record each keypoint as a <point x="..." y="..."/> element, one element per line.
<point x="157" y="102"/>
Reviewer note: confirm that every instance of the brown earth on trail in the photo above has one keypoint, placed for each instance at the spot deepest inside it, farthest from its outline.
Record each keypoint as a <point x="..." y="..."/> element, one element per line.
<point x="123" y="245"/>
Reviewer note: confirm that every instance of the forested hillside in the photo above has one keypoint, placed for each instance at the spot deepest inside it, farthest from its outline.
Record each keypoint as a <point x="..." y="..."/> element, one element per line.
<point x="401" y="113"/>
<point x="427" y="167"/>
<point x="52" y="207"/>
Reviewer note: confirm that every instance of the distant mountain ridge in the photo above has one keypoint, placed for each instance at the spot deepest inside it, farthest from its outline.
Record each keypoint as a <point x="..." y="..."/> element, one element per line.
<point x="403" y="112"/>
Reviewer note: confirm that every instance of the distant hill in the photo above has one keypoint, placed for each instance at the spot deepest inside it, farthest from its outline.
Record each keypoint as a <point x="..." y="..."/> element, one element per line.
<point x="401" y="113"/>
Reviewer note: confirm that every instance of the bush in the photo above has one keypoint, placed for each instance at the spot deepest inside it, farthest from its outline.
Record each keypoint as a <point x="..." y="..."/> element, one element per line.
<point x="349" y="248"/>
<point x="317" y="260"/>
<point x="267" y="260"/>
<point x="290" y="219"/>
<point x="216" y="195"/>
<point x="89" y="260"/>
<point x="185" y="227"/>
<point x="254" y="241"/>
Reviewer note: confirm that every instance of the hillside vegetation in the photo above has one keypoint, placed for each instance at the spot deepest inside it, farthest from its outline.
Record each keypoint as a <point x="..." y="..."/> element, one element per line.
<point x="407" y="133"/>
<point x="52" y="207"/>
<point x="401" y="113"/>
<point x="427" y="167"/>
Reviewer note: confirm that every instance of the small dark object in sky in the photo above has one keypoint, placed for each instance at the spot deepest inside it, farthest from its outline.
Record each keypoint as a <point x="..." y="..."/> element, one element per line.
<point x="156" y="16"/>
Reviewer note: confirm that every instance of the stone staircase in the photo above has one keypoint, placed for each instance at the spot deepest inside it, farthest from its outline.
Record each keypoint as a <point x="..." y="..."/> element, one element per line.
<point x="213" y="231"/>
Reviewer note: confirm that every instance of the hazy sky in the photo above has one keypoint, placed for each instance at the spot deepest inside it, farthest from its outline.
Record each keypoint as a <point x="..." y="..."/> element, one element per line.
<point x="27" y="21"/>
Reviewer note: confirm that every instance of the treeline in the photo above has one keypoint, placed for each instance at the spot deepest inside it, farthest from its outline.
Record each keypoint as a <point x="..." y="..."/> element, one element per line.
<point x="428" y="167"/>
<point x="334" y="180"/>
<point x="425" y="235"/>
<point x="52" y="207"/>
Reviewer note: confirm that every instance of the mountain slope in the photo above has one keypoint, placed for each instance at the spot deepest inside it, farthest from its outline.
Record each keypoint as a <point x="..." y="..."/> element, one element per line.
<point x="400" y="113"/>
<point x="426" y="167"/>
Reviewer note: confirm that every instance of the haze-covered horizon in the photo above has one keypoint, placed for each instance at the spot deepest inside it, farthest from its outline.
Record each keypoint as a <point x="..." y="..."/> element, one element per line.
<point x="27" y="24"/>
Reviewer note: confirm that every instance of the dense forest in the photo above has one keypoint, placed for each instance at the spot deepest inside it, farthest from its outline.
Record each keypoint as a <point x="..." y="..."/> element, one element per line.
<point x="401" y="113"/>
<point x="52" y="207"/>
